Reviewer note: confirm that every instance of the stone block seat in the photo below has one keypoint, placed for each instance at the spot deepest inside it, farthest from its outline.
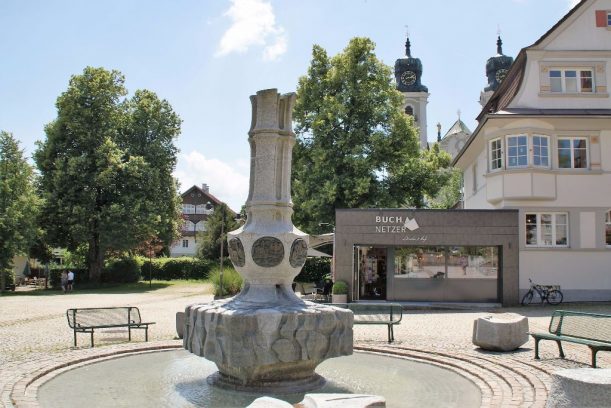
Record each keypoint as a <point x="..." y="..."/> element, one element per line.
<point x="501" y="332"/>
<point x="580" y="387"/>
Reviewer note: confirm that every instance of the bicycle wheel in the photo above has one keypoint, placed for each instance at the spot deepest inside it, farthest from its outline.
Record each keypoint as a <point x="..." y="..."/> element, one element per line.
<point x="528" y="297"/>
<point x="554" y="297"/>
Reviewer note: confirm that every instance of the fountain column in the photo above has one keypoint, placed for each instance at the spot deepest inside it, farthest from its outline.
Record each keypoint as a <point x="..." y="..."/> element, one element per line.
<point x="266" y="338"/>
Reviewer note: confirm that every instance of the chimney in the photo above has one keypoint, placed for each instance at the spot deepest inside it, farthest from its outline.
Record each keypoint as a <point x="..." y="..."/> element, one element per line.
<point x="206" y="188"/>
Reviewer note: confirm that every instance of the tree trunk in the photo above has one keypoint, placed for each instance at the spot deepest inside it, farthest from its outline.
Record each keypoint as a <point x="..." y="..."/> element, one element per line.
<point x="95" y="259"/>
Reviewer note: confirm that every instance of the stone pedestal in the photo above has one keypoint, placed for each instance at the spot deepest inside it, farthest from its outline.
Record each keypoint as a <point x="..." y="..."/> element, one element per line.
<point x="271" y="347"/>
<point x="266" y="338"/>
<point x="503" y="332"/>
<point x="580" y="387"/>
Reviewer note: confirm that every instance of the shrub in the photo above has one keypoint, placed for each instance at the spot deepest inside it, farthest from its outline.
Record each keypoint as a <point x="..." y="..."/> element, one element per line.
<point x="125" y="270"/>
<point x="232" y="281"/>
<point x="314" y="270"/>
<point x="176" y="268"/>
<point x="340" y="288"/>
<point x="9" y="276"/>
<point x="55" y="276"/>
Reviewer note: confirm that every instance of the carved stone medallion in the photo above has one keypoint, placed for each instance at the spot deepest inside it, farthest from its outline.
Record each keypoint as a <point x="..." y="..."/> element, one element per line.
<point x="236" y="252"/>
<point x="299" y="252"/>
<point x="267" y="252"/>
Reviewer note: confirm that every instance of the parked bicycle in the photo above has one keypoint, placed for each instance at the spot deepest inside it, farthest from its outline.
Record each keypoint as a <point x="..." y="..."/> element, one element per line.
<point x="548" y="293"/>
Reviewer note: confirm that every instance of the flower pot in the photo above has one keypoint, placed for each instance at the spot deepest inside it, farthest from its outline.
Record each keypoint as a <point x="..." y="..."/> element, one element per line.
<point x="339" y="298"/>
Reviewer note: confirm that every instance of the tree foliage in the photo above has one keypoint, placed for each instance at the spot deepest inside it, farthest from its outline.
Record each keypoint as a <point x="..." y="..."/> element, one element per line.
<point x="19" y="204"/>
<point x="355" y="146"/>
<point x="209" y="241"/>
<point x="106" y="168"/>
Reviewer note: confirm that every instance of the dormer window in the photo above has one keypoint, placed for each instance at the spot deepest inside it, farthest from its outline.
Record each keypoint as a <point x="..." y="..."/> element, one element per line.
<point x="571" y="80"/>
<point x="581" y="79"/>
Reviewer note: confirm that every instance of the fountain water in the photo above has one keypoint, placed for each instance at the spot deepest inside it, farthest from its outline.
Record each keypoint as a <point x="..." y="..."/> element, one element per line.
<point x="266" y="337"/>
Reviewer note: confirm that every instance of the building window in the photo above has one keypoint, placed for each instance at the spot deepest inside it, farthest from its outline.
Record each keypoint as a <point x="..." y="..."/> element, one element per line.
<point x="188" y="226"/>
<point x="540" y="151"/>
<point x="571" y="80"/>
<point x="188" y="209"/>
<point x="496" y="155"/>
<point x="200" y="226"/>
<point x="572" y="153"/>
<point x="185" y="243"/>
<point x="475" y="177"/>
<point x="608" y="228"/>
<point x="608" y="19"/>
<point x="409" y="110"/>
<point x="547" y="229"/>
<point x="200" y="209"/>
<point x="461" y="262"/>
<point x="517" y="151"/>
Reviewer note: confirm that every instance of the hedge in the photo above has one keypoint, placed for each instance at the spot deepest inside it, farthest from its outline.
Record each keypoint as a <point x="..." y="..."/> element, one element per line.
<point x="314" y="270"/>
<point x="175" y="268"/>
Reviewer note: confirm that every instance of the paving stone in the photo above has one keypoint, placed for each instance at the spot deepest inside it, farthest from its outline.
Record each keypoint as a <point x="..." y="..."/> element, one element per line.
<point x="35" y="338"/>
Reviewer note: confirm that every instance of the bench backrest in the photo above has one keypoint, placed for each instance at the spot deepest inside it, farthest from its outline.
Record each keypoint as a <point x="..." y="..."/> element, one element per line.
<point x="103" y="316"/>
<point x="386" y="312"/>
<point x="591" y="326"/>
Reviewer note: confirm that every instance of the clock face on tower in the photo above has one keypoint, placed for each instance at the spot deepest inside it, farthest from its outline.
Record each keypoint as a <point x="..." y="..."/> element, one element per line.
<point x="500" y="75"/>
<point x="408" y="78"/>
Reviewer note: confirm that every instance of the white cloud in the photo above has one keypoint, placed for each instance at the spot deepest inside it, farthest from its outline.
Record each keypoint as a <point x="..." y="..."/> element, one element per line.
<point x="227" y="182"/>
<point x="253" y="24"/>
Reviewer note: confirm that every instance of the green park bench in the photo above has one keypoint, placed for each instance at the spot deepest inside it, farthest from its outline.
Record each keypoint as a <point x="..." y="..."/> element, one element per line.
<point x="590" y="329"/>
<point x="388" y="314"/>
<point x="86" y="320"/>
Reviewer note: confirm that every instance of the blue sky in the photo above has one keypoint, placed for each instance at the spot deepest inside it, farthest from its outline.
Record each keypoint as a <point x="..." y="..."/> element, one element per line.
<point x="207" y="57"/>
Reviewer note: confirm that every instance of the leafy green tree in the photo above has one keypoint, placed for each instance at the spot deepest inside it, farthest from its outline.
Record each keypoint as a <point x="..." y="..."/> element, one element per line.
<point x="355" y="146"/>
<point x="209" y="241"/>
<point x="106" y="168"/>
<point x="19" y="204"/>
<point x="450" y="194"/>
<point x="422" y="177"/>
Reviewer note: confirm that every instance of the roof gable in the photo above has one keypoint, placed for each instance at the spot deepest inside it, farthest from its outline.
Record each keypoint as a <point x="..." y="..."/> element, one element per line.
<point x="577" y="25"/>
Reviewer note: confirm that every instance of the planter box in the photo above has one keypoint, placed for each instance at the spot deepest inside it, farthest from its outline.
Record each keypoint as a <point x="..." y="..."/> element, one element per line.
<point x="339" y="298"/>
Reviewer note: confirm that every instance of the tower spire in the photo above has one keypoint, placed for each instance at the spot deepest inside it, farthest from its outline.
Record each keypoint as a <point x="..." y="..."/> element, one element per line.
<point x="408" y="45"/>
<point x="499" y="46"/>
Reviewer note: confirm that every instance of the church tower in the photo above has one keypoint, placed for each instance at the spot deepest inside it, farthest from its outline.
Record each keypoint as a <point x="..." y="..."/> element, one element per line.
<point x="408" y="75"/>
<point x="496" y="70"/>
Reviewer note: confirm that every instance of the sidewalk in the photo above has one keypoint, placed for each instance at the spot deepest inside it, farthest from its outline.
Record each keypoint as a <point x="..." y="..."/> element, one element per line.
<point x="35" y="340"/>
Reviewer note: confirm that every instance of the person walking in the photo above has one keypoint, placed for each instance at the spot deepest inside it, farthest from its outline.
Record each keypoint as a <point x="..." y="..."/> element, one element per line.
<point x="70" y="280"/>
<point x="64" y="281"/>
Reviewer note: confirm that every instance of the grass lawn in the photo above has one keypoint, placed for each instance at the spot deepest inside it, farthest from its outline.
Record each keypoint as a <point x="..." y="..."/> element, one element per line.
<point x="84" y="288"/>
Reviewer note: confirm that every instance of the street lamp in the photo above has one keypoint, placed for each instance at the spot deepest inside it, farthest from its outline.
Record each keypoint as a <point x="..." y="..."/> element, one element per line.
<point x="327" y="224"/>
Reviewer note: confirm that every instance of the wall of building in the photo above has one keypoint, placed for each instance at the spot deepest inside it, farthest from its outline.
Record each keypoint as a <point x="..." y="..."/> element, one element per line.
<point x="386" y="228"/>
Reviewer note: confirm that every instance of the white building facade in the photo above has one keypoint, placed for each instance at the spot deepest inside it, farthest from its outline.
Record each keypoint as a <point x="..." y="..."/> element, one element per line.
<point x="543" y="147"/>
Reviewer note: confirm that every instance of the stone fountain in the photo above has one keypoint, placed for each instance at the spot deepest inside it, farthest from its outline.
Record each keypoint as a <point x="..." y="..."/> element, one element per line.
<point x="267" y="338"/>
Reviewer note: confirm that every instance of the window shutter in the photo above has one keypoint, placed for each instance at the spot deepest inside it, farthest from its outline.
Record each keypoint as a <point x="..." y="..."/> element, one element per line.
<point x="601" y="18"/>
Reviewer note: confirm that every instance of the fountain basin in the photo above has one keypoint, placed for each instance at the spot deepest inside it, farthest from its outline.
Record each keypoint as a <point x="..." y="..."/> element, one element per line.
<point x="179" y="379"/>
<point x="260" y="346"/>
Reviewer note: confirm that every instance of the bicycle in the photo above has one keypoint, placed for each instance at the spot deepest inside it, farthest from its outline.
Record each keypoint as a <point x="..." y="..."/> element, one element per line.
<point x="548" y="293"/>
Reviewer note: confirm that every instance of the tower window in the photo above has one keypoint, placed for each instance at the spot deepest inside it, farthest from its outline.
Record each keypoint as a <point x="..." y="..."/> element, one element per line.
<point x="409" y="110"/>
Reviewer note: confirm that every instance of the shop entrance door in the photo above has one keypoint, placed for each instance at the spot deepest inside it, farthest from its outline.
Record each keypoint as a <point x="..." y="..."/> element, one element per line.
<point x="371" y="273"/>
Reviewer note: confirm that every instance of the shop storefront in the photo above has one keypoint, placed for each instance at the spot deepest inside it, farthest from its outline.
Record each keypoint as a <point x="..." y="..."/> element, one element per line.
<point x="428" y="255"/>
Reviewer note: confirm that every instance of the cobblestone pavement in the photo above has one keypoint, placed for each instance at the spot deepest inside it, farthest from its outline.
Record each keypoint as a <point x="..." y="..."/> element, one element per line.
<point x="36" y="343"/>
